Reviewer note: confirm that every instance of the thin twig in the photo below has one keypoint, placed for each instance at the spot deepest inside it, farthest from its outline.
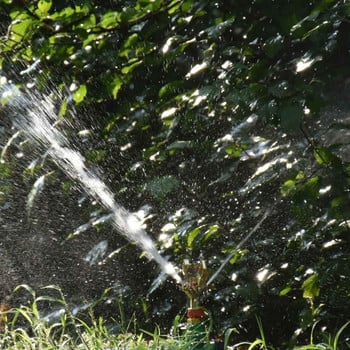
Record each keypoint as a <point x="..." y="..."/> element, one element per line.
<point x="239" y="245"/>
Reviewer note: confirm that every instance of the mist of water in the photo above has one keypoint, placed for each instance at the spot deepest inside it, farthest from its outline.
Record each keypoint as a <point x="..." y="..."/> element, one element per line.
<point x="36" y="115"/>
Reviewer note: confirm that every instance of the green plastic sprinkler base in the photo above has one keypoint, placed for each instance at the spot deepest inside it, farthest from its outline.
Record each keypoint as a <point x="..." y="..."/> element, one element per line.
<point x="197" y="336"/>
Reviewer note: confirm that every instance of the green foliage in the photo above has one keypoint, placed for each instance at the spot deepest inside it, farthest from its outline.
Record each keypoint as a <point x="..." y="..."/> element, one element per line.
<point x="211" y="113"/>
<point x="310" y="287"/>
<point x="27" y="326"/>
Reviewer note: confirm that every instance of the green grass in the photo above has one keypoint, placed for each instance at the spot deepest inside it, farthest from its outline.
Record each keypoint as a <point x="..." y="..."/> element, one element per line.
<point x="330" y="343"/>
<point x="27" y="329"/>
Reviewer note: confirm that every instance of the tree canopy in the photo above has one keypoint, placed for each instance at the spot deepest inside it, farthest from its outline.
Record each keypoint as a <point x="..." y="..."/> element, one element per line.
<point x="208" y="115"/>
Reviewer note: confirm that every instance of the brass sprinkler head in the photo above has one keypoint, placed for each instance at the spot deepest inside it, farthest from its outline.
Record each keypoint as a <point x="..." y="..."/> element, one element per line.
<point x="195" y="277"/>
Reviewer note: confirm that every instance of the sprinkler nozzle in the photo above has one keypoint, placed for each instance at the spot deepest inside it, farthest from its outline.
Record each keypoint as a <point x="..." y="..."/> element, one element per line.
<point x="195" y="276"/>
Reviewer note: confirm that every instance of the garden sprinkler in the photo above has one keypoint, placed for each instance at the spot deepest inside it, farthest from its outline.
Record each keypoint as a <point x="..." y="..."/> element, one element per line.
<point x="195" y="277"/>
<point x="195" y="280"/>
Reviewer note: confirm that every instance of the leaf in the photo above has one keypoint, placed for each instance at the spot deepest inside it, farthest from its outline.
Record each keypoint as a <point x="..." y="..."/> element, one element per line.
<point x="131" y="40"/>
<point x="63" y="109"/>
<point x="192" y="235"/>
<point x="312" y="188"/>
<point x="115" y="86"/>
<point x="280" y="89"/>
<point x="291" y="116"/>
<point x="217" y="30"/>
<point x="311" y="287"/>
<point x="234" y="150"/>
<point x="22" y="27"/>
<point x="186" y="5"/>
<point x="110" y="20"/>
<point x="174" y="6"/>
<point x="273" y="46"/>
<point x="153" y="5"/>
<point x="176" y="145"/>
<point x="89" y="22"/>
<point x="80" y="93"/>
<point x="288" y="187"/>
<point x="324" y="156"/>
<point x="315" y="29"/>
<point x="170" y="88"/>
<point x="130" y="14"/>
<point x="212" y="230"/>
<point x="68" y="14"/>
<point x="131" y="66"/>
<point x="285" y="291"/>
<point x="44" y="6"/>
<point x="96" y="155"/>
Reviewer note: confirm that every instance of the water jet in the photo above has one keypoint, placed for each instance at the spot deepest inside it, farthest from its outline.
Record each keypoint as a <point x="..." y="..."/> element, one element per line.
<point x="36" y="115"/>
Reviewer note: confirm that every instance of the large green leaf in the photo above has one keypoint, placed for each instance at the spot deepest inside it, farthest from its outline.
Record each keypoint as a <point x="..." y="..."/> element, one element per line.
<point x="291" y="115"/>
<point x="311" y="287"/>
<point x="44" y="7"/>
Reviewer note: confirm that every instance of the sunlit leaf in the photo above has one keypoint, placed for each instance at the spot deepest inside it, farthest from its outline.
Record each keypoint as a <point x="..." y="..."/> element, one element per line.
<point x="131" y="66"/>
<point x="150" y="5"/>
<point x="192" y="235"/>
<point x="288" y="187"/>
<point x="174" y="6"/>
<point x="285" y="291"/>
<point x="80" y="93"/>
<point x="311" y="287"/>
<point x="131" y="40"/>
<point x="324" y="156"/>
<point x="63" y="109"/>
<point x="170" y="88"/>
<point x="110" y="20"/>
<point x="115" y="86"/>
<point x="21" y="28"/>
<point x="212" y="230"/>
<point x="234" y="150"/>
<point x="89" y="22"/>
<point x="44" y="6"/>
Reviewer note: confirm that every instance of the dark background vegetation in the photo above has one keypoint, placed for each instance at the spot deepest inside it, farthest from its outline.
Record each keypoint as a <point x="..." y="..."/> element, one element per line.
<point x="208" y="114"/>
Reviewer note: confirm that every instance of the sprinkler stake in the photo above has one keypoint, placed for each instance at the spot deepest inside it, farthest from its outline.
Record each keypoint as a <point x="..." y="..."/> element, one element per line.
<point x="195" y="277"/>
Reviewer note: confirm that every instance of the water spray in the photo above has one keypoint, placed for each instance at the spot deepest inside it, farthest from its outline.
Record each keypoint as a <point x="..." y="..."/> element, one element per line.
<point x="36" y="114"/>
